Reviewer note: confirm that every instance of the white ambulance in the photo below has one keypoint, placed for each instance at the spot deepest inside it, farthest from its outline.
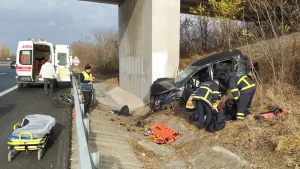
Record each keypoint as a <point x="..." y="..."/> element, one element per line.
<point x="32" y="54"/>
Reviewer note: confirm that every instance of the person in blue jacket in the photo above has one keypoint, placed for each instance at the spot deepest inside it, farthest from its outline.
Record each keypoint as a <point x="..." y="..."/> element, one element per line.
<point x="86" y="80"/>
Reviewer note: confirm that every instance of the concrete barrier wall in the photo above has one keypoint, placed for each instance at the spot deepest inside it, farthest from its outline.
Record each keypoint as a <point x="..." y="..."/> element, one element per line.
<point x="135" y="49"/>
<point x="149" y="43"/>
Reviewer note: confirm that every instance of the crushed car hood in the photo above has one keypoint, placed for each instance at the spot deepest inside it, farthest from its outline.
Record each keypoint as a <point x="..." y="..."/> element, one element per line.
<point x="162" y="85"/>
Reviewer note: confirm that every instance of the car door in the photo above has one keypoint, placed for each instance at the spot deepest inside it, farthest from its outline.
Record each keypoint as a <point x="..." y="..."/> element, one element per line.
<point x="200" y="76"/>
<point x="221" y="70"/>
<point x="24" y="61"/>
<point x="62" y="63"/>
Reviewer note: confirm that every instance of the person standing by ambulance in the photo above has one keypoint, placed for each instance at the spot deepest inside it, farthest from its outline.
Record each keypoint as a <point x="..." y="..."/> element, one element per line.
<point x="48" y="73"/>
<point x="86" y="80"/>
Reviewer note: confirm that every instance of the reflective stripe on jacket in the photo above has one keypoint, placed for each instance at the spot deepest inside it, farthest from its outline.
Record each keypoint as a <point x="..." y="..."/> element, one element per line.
<point x="87" y="77"/>
<point x="239" y="82"/>
<point x="189" y="103"/>
<point x="207" y="92"/>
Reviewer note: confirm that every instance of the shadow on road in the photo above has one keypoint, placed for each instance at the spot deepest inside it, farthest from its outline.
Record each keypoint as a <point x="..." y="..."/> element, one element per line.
<point x="57" y="129"/>
<point x="39" y="85"/>
<point x="6" y="109"/>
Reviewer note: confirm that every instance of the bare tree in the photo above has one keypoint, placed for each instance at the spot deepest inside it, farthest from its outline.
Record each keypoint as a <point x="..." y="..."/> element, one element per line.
<point x="101" y="50"/>
<point x="4" y="52"/>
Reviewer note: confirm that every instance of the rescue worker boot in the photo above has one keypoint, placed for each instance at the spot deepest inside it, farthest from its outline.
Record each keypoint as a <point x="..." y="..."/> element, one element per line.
<point x="244" y="102"/>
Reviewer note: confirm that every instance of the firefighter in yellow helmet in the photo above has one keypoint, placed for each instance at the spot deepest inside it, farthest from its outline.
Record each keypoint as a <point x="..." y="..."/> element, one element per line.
<point x="86" y="80"/>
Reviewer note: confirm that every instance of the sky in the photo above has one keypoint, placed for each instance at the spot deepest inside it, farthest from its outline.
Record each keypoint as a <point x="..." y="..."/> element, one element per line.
<point x="56" y="21"/>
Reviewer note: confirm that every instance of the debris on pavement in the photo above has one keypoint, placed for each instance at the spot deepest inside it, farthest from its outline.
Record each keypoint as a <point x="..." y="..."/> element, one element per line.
<point x="137" y="124"/>
<point x="124" y="111"/>
<point x="113" y="112"/>
<point x="64" y="100"/>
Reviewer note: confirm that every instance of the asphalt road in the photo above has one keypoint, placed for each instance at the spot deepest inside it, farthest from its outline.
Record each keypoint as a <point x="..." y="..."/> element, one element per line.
<point x="7" y="78"/>
<point x="31" y="100"/>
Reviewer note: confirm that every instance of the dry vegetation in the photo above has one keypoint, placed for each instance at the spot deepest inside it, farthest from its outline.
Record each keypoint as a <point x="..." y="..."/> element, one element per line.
<point x="101" y="51"/>
<point x="268" y="144"/>
<point x="4" y="52"/>
<point x="274" y="143"/>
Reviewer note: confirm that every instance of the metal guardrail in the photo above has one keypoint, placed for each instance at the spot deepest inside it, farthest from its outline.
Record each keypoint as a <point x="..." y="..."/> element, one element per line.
<point x="86" y="160"/>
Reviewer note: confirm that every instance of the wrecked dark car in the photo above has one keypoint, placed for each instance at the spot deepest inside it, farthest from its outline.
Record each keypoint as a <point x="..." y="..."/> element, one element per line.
<point x="174" y="92"/>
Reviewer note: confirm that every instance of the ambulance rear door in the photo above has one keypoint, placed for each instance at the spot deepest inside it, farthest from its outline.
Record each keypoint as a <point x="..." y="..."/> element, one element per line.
<point x="24" y="61"/>
<point x="62" y="63"/>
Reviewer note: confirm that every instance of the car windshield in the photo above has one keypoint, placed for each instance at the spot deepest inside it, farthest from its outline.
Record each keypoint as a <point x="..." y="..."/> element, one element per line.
<point x="180" y="78"/>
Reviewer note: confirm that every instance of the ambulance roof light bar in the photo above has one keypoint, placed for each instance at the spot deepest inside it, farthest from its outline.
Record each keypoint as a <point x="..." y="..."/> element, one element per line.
<point x="36" y="40"/>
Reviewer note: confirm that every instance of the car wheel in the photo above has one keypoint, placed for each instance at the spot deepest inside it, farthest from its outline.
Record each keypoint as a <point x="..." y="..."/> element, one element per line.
<point x="177" y="107"/>
<point x="56" y="85"/>
<point x="152" y="103"/>
<point x="20" y="85"/>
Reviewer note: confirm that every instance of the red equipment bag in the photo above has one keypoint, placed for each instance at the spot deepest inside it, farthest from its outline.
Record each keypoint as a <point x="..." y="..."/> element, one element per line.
<point x="272" y="114"/>
<point x="162" y="134"/>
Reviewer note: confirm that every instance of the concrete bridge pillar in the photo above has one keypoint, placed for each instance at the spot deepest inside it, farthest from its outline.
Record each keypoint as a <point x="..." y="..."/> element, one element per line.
<point x="149" y="43"/>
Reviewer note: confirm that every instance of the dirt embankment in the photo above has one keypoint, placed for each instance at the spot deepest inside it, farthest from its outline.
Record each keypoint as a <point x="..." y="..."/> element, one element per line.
<point x="265" y="144"/>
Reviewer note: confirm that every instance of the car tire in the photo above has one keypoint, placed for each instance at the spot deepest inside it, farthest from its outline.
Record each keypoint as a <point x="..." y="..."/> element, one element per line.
<point x="9" y="155"/>
<point x="20" y="85"/>
<point x="66" y="100"/>
<point x="152" y="100"/>
<point x="177" y="107"/>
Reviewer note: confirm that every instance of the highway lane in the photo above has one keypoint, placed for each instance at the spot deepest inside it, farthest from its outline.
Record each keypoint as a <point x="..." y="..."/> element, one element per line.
<point x="31" y="100"/>
<point x="7" y="78"/>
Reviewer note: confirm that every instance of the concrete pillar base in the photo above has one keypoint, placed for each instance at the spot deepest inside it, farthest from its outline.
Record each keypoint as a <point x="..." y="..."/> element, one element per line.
<point x="149" y="43"/>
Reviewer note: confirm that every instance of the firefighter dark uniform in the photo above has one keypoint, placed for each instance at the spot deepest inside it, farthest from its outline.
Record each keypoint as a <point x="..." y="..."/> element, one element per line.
<point x="190" y="108"/>
<point x="242" y="88"/>
<point x="203" y="98"/>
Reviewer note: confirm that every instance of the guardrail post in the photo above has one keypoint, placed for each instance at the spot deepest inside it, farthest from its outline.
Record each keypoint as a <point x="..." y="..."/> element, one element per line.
<point x="95" y="159"/>
<point x="82" y="108"/>
<point x="94" y="97"/>
<point x="86" y="123"/>
<point x="80" y="99"/>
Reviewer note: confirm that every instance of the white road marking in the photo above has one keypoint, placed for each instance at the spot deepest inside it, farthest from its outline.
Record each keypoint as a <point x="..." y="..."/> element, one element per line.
<point x="8" y="90"/>
<point x="2" y="73"/>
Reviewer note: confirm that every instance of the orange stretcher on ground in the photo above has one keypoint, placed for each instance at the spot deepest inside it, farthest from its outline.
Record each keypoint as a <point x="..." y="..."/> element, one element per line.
<point x="162" y="134"/>
<point x="272" y="114"/>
